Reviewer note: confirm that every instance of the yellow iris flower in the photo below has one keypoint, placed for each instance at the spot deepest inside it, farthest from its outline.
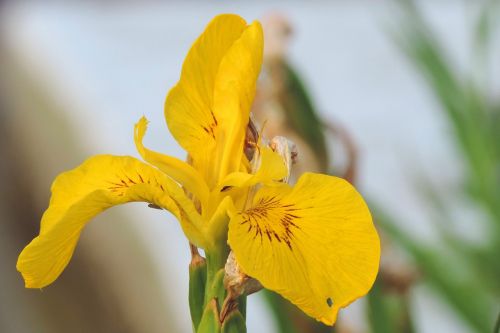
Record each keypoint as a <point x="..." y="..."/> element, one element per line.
<point x="314" y="243"/>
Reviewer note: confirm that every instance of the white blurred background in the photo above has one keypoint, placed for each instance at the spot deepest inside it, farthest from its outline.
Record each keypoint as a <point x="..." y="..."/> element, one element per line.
<point x="102" y="65"/>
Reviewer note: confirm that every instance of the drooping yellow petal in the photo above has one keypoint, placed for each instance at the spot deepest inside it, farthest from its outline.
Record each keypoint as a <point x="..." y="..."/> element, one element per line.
<point x="78" y="195"/>
<point x="207" y="111"/>
<point x="315" y="244"/>
<point x="180" y="171"/>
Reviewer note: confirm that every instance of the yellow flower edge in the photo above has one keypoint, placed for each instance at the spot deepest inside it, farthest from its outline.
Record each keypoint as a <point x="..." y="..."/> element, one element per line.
<point x="207" y="111"/>
<point x="315" y="243"/>
<point x="79" y="195"/>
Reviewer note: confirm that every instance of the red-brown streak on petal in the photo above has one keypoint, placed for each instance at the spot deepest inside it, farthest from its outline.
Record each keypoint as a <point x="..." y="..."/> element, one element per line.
<point x="140" y="177"/>
<point x="125" y="183"/>
<point x="214" y="118"/>
<point x="272" y="218"/>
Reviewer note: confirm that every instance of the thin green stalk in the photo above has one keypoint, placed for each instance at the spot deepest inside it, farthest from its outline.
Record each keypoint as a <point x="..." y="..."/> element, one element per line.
<point x="222" y="317"/>
<point x="197" y="282"/>
<point x="215" y="273"/>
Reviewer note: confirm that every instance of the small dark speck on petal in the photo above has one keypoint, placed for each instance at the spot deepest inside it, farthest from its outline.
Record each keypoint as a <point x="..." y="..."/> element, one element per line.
<point x="329" y="302"/>
<point x="151" y="205"/>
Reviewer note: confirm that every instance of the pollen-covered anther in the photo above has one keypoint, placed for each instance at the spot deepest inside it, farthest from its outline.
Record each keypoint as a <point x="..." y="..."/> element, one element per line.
<point x="236" y="282"/>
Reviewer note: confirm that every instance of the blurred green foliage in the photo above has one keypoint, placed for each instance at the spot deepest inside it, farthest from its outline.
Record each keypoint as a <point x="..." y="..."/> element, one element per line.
<point x="465" y="274"/>
<point x="302" y="116"/>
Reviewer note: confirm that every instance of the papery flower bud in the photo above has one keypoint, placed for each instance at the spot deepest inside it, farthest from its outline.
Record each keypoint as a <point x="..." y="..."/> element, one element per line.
<point x="236" y="282"/>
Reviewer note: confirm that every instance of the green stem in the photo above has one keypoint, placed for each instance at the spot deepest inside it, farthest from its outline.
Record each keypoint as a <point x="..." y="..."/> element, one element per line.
<point x="197" y="283"/>
<point x="233" y="320"/>
<point x="215" y="292"/>
<point x="216" y="259"/>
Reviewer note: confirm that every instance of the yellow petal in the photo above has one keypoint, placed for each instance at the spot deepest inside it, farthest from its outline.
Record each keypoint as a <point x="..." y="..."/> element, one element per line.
<point x="189" y="107"/>
<point x="272" y="168"/>
<point x="207" y="111"/>
<point x="180" y="171"/>
<point x="314" y="244"/>
<point x="234" y="94"/>
<point x="217" y="226"/>
<point x="80" y="194"/>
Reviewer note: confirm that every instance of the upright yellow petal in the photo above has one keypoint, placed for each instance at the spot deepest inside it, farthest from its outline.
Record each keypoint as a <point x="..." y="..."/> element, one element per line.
<point x="180" y="171"/>
<point x="234" y="93"/>
<point x="80" y="194"/>
<point x="189" y="107"/>
<point x="208" y="110"/>
<point x="315" y="244"/>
